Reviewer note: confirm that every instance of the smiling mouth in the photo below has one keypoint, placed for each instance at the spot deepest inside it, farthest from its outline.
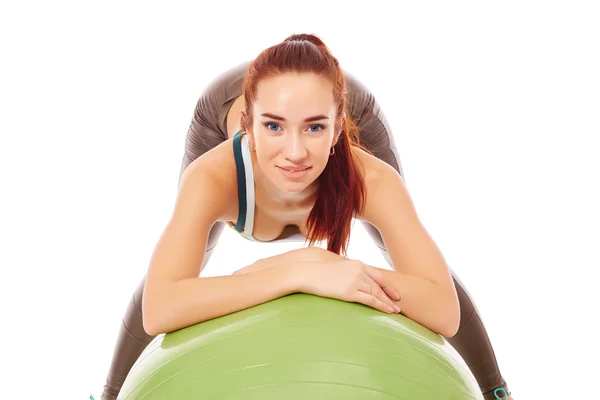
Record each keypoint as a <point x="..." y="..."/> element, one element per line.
<point x="294" y="169"/>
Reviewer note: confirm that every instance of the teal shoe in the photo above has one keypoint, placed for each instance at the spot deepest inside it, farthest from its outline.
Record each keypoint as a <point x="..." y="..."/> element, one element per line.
<point x="497" y="394"/>
<point x="500" y="392"/>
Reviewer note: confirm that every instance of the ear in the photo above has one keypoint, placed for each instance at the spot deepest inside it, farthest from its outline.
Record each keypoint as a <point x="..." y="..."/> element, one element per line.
<point x="244" y="121"/>
<point x="247" y="128"/>
<point x="339" y="130"/>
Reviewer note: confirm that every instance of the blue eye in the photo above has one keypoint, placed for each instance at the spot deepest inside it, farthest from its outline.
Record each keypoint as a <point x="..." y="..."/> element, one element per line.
<point x="270" y="124"/>
<point x="321" y="127"/>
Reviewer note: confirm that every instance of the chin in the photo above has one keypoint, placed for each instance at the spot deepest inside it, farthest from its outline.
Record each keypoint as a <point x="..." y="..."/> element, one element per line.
<point x="293" y="186"/>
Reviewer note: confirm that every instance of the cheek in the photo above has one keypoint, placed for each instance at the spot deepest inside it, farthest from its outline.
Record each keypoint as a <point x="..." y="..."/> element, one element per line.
<point x="267" y="153"/>
<point x="321" y="155"/>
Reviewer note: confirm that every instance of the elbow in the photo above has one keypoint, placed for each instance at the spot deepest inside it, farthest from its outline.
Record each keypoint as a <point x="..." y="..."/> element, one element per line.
<point x="447" y="326"/>
<point x="449" y="330"/>
<point x="149" y="322"/>
<point x="161" y="311"/>
<point x="150" y="327"/>
<point x="450" y="319"/>
<point x="156" y="324"/>
<point x="151" y="315"/>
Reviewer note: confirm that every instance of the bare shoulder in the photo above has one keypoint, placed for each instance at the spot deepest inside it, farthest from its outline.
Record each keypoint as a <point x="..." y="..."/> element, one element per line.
<point x="381" y="182"/>
<point x="213" y="173"/>
<point x="374" y="169"/>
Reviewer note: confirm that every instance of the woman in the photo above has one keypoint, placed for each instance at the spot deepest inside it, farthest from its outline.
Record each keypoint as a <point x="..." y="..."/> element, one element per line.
<point x="273" y="151"/>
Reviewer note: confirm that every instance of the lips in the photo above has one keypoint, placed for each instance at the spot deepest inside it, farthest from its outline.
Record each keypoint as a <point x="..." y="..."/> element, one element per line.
<point x="294" y="173"/>
<point x="294" y="169"/>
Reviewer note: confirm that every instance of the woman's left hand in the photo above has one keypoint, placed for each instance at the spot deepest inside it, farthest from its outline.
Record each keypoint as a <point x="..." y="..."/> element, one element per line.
<point x="306" y="254"/>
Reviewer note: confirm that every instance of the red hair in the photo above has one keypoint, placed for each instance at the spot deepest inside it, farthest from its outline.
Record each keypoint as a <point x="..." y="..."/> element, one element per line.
<point x="341" y="191"/>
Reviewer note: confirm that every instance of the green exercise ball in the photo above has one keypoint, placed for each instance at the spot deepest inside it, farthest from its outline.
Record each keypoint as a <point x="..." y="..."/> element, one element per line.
<point x="301" y="347"/>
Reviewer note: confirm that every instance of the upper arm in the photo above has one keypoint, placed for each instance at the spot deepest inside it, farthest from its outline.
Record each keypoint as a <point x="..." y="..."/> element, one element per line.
<point x="389" y="208"/>
<point x="181" y="248"/>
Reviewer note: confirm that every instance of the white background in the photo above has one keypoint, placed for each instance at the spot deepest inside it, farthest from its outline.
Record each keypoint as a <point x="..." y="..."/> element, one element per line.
<point x="495" y="111"/>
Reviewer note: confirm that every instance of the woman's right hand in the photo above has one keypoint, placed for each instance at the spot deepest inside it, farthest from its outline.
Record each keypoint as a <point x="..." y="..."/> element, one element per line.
<point x="351" y="281"/>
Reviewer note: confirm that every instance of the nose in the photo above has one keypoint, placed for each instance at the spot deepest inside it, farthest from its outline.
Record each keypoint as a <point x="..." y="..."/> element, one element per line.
<point x="294" y="148"/>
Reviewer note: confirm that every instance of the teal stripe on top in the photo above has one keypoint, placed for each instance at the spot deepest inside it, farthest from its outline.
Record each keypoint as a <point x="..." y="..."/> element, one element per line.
<point x="241" y="177"/>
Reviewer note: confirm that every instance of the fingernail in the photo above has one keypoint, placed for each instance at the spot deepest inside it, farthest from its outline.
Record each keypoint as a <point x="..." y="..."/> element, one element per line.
<point x="390" y="309"/>
<point x="397" y="295"/>
<point x="396" y="308"/>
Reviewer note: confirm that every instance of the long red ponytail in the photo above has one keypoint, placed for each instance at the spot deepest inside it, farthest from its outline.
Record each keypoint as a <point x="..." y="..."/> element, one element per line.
<point x="341" y="191"/>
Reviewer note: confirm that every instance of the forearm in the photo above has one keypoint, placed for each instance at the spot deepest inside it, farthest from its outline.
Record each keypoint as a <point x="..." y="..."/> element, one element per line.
<point x="305" y="254"/>
<point x="191" y="301"/>
<point x="432" y="305"/>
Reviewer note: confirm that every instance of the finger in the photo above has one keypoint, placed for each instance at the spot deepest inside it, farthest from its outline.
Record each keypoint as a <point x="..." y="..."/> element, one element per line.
<point x="363" y="286"/>
<point x="384" y="297"/>
<point x="372" y="301"/>
<point x="383" y="283"/>
<point x="378" y="292"/>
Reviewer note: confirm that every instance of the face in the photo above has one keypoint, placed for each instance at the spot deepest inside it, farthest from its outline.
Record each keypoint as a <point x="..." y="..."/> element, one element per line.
<point x="293" y="129"/>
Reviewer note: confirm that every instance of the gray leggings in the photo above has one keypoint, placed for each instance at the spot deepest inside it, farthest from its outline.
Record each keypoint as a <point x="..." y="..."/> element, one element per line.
<point x="208" y="130"/>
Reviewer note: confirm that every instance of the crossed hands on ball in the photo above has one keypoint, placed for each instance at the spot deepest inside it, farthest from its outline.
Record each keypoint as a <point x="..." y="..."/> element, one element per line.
<point x="323" y="273"/>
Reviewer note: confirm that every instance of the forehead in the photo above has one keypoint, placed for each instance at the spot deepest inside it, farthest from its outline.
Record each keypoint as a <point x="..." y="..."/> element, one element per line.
<point x="293" y="95"/>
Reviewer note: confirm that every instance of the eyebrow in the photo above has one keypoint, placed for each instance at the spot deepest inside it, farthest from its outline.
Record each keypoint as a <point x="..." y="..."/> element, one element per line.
<point x="310" y="119"/>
